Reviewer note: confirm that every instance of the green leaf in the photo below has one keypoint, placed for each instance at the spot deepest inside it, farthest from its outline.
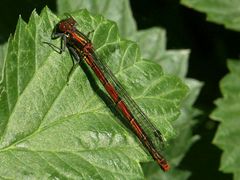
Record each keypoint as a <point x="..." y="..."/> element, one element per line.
<point x="218" y="11"/>
<point x="118" y="11"/>
<point x="184" y="139"/>
<point x="175" y="62"/>
<point x="51" y="129"/>
<point x="3" y="49"/>
<point x="152" y="43"/>
<point x="227" y="113"/>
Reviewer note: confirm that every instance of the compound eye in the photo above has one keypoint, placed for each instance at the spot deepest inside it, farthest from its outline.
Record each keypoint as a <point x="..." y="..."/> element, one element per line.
<point x="62" y="27"/>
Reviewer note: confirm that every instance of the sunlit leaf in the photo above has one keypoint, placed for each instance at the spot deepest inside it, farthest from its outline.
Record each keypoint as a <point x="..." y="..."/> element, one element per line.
<point x="228" y="114"/>
<point x="53" y="129"/>
<point x="3" y="49"/>
<point x="152" y="44"/>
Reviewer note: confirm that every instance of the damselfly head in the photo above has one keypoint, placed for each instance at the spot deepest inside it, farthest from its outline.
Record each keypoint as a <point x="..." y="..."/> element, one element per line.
<point x="66" y="25"/>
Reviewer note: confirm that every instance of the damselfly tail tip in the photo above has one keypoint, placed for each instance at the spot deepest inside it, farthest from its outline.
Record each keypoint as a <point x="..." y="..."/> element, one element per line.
<point x="163" y="164"/>
<point x="165" y="167"/>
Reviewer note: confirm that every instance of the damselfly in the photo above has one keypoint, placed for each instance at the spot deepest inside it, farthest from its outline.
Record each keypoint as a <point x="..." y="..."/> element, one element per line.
<point x="81" y="48"/>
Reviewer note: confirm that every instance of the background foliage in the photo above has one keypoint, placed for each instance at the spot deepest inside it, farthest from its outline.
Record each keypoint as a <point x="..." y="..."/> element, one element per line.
<point x="209" y="46"/>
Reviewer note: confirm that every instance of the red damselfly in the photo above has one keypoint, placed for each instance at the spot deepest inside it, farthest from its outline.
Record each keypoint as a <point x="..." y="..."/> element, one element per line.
<point x="81" y="48"/>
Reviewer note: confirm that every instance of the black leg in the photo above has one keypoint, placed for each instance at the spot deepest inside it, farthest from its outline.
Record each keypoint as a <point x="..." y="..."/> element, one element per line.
<point x="63" y="42"/>
<point x="75" y="59"/>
